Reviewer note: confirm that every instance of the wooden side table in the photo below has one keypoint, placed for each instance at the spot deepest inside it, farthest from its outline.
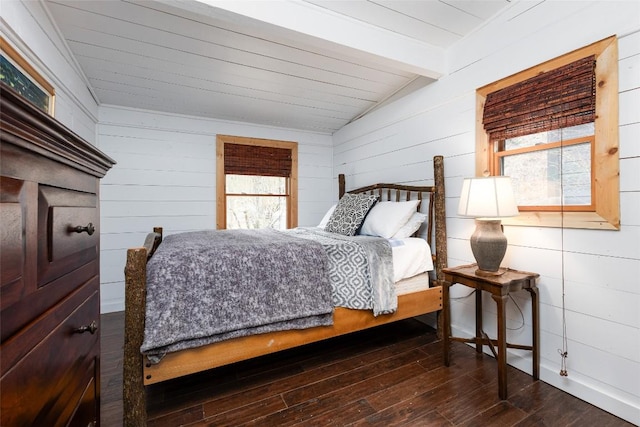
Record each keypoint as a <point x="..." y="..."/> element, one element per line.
<point x="499" y="287"/>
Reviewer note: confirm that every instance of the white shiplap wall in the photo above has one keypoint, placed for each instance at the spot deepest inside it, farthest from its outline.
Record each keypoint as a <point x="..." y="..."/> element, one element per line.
<point x="600" y="269"/>
<point x="28" y="28"/>
<point x="165" y="176"/>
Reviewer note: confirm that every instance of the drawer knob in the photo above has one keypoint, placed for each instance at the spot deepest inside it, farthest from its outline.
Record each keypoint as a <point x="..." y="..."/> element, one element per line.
<point x="89" y="229"/>
<point x="91" y="328"/>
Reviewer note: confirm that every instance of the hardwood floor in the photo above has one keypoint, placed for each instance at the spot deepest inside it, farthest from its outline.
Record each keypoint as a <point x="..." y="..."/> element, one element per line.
<point x="392" y="375"/>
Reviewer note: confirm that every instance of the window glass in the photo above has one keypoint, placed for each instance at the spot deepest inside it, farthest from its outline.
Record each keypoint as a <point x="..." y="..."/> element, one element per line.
<point x="256" y="202"/>
<point x="251" y="212"/>
<point x="551" y="177"/>
<point x="251" y="184"/>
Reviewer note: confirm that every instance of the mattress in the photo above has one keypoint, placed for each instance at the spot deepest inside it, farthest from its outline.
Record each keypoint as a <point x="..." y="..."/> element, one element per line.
<point x="419" y="282"/>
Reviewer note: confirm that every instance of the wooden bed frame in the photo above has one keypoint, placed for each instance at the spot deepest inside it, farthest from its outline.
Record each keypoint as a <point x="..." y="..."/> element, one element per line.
<point x="138" y="373"/>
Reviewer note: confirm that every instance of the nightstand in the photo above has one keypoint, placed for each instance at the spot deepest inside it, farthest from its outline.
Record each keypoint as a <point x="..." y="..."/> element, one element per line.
<point x="499" y="287"/>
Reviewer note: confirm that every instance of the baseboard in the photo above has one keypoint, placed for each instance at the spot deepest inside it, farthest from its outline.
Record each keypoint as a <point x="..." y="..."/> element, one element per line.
<point x="580" y="387"/>
<point x="574" y="384"/>
<point x="111" y="306"/>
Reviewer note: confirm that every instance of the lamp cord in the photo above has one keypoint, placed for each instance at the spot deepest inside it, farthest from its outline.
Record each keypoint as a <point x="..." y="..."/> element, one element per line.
<point x="510" y="297"/>
<point x="564" y="351"/>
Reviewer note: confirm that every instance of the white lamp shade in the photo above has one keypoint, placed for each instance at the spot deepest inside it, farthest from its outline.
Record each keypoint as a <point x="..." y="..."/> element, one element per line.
<point x="487" y="197"/>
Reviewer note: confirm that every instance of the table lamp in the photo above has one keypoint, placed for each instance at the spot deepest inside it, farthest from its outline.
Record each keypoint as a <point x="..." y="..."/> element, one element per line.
<point x="488" y="199"/>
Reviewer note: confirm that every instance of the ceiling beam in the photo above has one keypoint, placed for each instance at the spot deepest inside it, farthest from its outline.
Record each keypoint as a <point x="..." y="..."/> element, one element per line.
<point x="308" y="24"/>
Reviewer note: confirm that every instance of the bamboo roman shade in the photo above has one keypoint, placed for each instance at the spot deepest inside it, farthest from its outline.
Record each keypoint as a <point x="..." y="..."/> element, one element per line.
<point x="242" y="159"/>
<point x="555" y="99"/>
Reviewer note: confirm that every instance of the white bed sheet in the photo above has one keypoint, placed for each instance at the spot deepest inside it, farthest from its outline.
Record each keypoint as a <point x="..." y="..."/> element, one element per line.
<point x="411" y="256"/>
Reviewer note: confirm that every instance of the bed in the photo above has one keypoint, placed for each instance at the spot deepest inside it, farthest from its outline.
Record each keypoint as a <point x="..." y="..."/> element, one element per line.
<point x="417" y="294"/>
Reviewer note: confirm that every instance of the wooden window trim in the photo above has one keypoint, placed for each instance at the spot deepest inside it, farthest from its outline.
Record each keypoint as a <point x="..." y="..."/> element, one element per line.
<point x="605" y="159"/>
<point x="221" y="200"/>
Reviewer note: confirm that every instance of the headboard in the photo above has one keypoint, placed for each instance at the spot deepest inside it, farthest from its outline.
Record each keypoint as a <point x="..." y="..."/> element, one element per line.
<point x="432" y="195"/>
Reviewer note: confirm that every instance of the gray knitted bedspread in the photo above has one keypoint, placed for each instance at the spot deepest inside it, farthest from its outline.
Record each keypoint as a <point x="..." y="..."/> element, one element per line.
<point x="209" y="286"/>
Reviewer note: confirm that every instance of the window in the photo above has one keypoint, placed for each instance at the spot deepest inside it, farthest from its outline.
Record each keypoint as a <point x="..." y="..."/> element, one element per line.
<point x="17" y="74"/>
<point x="551" y="171"/>
<point x="554" y="129"/>
<point x="256" y="183"/>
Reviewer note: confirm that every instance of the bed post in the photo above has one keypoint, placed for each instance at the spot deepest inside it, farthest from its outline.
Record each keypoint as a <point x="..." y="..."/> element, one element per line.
<point x="440" y="216"/>
<point x="441" y="229"/>
<point x="341" y="186"/>
<point x="134" y="394"/>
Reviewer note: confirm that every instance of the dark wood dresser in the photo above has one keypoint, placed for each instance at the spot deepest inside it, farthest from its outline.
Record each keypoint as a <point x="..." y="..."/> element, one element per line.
<point x="49" y="270"/>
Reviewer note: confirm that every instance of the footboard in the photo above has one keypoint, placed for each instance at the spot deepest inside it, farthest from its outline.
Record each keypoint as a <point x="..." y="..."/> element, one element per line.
<point x="345" y="321"/>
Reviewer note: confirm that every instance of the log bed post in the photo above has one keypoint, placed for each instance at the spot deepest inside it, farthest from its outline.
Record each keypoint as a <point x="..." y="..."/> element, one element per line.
<point x="134" y="397"/>
<point x="134" y="394"/>
<point x="440" y="217"/>
<point x="441" y="231"/>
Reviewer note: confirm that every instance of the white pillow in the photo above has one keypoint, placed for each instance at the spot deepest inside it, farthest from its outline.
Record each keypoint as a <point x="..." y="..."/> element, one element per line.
<point x="414" y="223"/>
<point x="325" y="218"/>
<point x="386" y="218"/>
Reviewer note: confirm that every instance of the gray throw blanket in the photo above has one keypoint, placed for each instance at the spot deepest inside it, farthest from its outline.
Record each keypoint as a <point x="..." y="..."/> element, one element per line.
<point x="208" y="286"/>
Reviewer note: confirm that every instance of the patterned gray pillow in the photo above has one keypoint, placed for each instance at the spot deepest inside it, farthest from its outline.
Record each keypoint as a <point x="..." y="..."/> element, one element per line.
<point x="349" y="213"/>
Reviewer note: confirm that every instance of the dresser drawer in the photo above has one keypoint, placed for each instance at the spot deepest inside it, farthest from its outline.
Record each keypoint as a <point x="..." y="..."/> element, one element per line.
<point x="68" y="234"/>
<point x="67" y="239"/>
<point x="45" y="385"/>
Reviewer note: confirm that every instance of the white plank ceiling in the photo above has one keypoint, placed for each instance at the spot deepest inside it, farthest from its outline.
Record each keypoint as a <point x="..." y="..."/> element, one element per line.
<point x="313" y="65"/>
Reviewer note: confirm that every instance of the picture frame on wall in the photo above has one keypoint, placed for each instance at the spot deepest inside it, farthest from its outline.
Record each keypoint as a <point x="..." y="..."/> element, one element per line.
<point x="21" y="77"/>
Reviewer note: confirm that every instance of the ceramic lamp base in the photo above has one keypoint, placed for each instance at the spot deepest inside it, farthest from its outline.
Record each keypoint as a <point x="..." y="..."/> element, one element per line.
<point x="488" y="244"/>
<point x="483" y="273"/>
